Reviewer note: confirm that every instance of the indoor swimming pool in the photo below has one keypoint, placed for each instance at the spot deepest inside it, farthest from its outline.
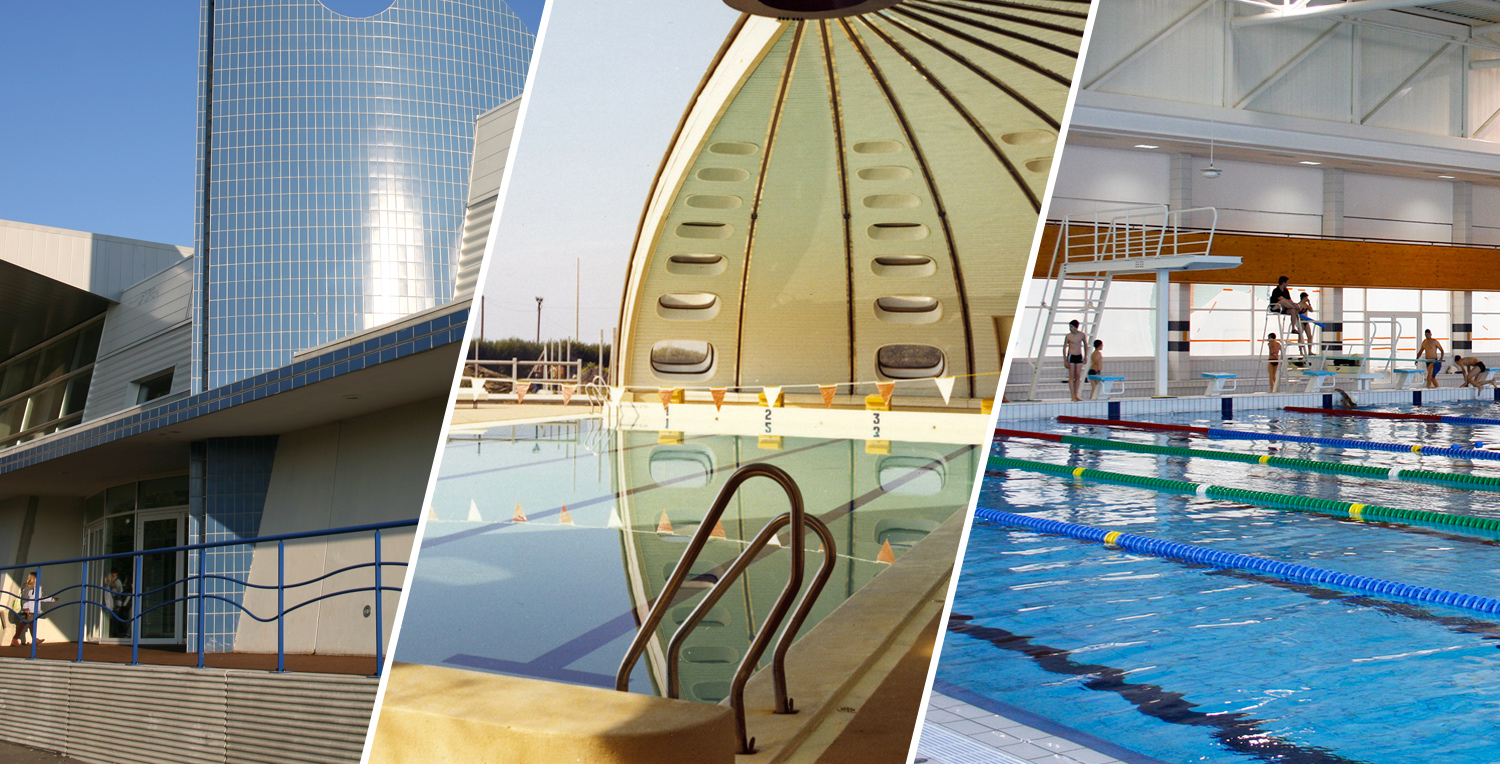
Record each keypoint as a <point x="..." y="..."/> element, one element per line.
<point x="1189" y="662"/>
<point x="607" y="513"/>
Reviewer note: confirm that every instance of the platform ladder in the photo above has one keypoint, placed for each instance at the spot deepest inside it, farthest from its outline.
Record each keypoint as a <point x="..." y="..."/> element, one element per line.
<point x="800" y="523"/>
<point x="1089" y="250"/>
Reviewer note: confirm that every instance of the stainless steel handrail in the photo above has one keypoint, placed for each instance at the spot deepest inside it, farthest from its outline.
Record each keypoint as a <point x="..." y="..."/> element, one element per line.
<point x="798" y="520"/>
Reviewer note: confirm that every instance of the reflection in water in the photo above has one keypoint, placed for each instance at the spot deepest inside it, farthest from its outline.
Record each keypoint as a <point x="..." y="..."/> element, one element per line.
<point x="573" y="594"/>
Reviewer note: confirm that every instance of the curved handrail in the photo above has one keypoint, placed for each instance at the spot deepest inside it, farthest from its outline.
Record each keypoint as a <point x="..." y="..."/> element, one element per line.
<point x="784" y="704"/>
<point x="798" y="520"/>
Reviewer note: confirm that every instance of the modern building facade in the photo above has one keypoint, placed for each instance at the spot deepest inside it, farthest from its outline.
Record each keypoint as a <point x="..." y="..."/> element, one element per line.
<point x="333" y="161"/>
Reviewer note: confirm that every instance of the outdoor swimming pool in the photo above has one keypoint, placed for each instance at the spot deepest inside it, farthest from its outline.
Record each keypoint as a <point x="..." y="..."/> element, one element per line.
<point x="550" y="600"/>
<point x="1185" y="662"/>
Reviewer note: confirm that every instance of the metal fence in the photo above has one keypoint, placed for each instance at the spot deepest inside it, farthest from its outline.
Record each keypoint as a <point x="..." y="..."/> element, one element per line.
<point x="84" y="594"/>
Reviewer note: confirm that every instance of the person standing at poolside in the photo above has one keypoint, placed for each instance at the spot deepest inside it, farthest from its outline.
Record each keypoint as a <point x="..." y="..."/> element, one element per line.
<point x="1096" y="368"/>
<point x="1273" y="361"/>
<point x="1432" y="352"/>
<point x="1073" y="348"/>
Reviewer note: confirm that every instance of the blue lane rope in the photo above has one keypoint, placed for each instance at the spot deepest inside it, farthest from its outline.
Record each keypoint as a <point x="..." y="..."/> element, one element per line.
<point x="1369" y="445"/>
<point x="1220" y="559"/>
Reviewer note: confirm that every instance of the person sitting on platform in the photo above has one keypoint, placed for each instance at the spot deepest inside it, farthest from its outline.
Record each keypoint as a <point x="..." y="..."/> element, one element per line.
<point x="1431" y="353"/>
<point x="1281" y="302"/>
<point x="1304" y="310"/>
<point x="1471" y="368"/>
<point x="1273" y="361"/>
<point x="1096" y="367"/>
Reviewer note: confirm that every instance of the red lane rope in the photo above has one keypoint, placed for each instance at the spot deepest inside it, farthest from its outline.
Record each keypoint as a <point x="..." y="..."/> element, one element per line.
<point x="1002" y="433"/>
<point x="1133" y="425"/>
<point x="1371" y="414"/>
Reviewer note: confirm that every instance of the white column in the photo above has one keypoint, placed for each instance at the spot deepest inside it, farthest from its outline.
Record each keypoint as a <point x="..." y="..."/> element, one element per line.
<point x="1163" y="308"/>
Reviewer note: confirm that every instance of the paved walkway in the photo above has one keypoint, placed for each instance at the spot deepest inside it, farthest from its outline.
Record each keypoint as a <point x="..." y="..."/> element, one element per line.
<point x="110" y="653"/>
<point x="20" y="754"/>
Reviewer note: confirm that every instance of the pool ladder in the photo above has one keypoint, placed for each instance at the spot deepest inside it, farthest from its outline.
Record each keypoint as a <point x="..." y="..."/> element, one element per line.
<point x="799" y="521"/>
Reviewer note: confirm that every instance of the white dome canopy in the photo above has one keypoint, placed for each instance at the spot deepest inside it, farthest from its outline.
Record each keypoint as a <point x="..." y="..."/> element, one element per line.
<point x="852" y="198"/>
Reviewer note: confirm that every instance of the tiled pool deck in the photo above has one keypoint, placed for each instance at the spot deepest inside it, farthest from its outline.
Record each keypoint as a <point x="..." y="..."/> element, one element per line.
<point x="956" y="731"/>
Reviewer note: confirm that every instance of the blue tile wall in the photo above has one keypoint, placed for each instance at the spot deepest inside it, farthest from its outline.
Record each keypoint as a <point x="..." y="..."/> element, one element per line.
<point x="228" y="480"/>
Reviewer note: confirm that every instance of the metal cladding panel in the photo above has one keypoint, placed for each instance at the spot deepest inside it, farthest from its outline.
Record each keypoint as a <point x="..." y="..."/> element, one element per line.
<point x="104" y="265"/>
<point x="111" y="389"/>
<point x="493" y="132"/>
<point x="98" y="712"/>
<point x="1186" y="66"/>
<point x="873" y="181"/>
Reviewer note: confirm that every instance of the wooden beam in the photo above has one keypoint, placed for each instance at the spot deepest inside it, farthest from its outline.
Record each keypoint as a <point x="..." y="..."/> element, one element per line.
<point x="1336" y="262"/>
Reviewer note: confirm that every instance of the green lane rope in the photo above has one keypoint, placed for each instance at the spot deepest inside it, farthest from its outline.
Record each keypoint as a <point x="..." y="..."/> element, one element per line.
<point x="1336" y="468"/>
<point x="1349" y="510"/>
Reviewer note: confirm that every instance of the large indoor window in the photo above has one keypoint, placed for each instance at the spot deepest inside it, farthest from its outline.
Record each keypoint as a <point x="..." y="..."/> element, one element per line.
<point x="1128" y="327"/>
<point x="1233" y="320"/>
<point x="137" y="517"/>
<point x="43" y="390"/>
<point x="1486" y="318"/>
<point x="1393" y="320"/>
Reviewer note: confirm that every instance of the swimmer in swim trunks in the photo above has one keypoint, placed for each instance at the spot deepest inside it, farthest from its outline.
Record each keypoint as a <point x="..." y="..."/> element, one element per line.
<point x="1273" y="363"/>
<point x="1096" y="367"/>
<point x="1073" y="346"/>
<point x="1431" y="353"/>
<point x="1472" y="369"/>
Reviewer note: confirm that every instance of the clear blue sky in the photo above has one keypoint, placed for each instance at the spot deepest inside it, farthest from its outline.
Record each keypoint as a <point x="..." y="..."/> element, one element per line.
<point x="100" y="112"/>
<point x="611" y="80"/>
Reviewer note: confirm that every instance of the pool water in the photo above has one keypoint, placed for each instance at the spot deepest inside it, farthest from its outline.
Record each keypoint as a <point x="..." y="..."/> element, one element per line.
<point x="562" y="602"/>
<point x="1192" y="664"/>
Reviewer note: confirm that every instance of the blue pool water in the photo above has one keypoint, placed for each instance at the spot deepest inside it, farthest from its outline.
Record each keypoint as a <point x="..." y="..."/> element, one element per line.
<point x="562" y="602"/>
<point x="1189" y="664"/>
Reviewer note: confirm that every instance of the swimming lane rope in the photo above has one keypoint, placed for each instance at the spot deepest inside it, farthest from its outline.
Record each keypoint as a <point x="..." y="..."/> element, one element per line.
<point x="1219" y="559"/>
<point x="1219" y="432"/>
<point x="1444" y="418"/>
<point x="1312" y="465"/>
<point x="1350" y="510"/>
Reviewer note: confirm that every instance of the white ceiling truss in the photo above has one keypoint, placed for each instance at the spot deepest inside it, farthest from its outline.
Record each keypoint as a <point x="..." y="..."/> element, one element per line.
<point x="1411" y="65"/>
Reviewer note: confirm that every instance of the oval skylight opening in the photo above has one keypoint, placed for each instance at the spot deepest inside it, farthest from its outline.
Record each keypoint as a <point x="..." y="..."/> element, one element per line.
<point x="1029" y="137"/>
<point x="887" y="173"/>
<point x="693" y="264"/>
<point x="910" y="266"/>
<point x="723" y="174"/>
<point x="733" y="148"/>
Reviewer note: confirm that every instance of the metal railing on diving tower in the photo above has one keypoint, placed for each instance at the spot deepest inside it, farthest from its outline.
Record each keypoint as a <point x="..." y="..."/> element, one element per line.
<point x="1093" y="248"/>
<point x="799" y="521"/>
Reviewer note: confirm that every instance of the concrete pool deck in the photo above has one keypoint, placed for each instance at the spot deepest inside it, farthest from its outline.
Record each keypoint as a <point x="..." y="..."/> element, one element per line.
<point x="955" y="731"/>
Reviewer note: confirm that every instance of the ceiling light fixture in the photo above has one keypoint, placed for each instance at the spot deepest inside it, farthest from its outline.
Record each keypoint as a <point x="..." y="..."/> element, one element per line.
<point x="1309" y="163"/>
<point x="1146" y="146"/>
<point x="1210" y="171"/>
<point x="1446" y="177"/>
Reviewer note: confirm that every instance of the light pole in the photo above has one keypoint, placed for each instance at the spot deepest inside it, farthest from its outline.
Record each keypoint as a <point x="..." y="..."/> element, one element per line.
<point x="538" y="320"/>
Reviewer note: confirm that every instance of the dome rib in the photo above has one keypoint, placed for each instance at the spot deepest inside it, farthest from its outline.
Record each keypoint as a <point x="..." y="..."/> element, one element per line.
<point x="926" y="172"/>
<point x="1052" y="121"/>
<point x="991" y="47"/>
<point x="984" y="136"/>
<point x="760" y="188"/>
<point x="842" y="145"/>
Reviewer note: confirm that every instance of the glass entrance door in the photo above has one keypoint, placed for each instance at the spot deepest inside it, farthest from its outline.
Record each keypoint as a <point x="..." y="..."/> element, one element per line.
<point x="161" y="573"/>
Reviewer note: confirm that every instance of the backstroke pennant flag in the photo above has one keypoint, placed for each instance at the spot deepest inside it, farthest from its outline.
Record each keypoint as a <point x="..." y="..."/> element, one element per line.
<point x="522" y="388"/>
<point x="828" y="392"/>
<point x="886" y="390"/>
<point x="717" y="393"/>
<point x="615" y="394"/>
<point x="666" y="396"/>
<point x="772" y="393"/>
<point x="945" y="386"/>
<point x="568" y="390"/>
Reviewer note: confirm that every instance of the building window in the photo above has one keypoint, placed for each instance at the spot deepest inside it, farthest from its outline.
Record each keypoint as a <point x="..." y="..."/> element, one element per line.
<point x="153" y="387"/>
<point x="43" y="390"/>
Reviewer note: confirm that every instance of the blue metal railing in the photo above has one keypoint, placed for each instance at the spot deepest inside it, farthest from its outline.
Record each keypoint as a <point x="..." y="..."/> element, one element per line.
<point x="201" y="596"/>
